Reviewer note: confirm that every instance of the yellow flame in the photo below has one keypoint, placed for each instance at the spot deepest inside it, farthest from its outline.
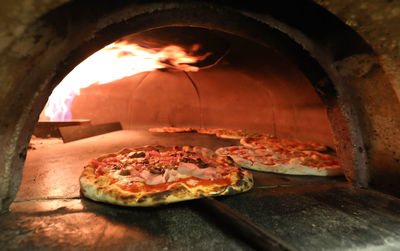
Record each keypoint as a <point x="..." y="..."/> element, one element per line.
<point x="115" y="61"/>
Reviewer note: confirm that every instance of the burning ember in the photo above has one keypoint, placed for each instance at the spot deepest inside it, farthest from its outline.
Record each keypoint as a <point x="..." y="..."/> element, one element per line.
<point x="115" y="61"/>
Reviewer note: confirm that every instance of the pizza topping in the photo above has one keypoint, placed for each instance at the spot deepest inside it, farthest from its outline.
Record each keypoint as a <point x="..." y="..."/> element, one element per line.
<point x="157" y="170"/>
<point x="137" y="154"/>
<point x="283" y="145"/>
<point x="188" y="160"/>
<point x="154" y="167"/>
<point x="99" y="171"/>
<point x="198" y="162"/>
<point x="111" y="160"/>
<point x="186" y="168"/>
<point x="137" y="178"/>
<point x="155" y="179"/>
<point x="170" y="175"/>
<point x="202" y="164"/>
<point x="152" y="153"/>
<point x="116" y="166"/>
<point x="125" y="172"/>
<point x="94" y="163"/>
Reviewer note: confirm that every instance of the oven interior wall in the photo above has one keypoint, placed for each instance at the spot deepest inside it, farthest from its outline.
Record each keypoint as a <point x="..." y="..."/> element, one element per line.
<point x="253" y="87"/>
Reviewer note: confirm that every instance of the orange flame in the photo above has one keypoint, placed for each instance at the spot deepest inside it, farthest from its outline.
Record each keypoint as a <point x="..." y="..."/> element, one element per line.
<point x="115" y="61"/>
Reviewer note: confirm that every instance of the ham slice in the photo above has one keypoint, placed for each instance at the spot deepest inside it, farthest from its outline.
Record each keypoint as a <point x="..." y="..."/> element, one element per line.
<point x="151" y="178"/>
<point x="170" y="175"/>
<point x="191" y="169"/>
<point x="207" y="173"/>
<point x="155" y="179"/>
<point x="186" y="168"/>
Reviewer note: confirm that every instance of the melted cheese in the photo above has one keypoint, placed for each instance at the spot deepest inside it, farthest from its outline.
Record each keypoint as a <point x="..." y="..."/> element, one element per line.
<point x="140" y="172"/>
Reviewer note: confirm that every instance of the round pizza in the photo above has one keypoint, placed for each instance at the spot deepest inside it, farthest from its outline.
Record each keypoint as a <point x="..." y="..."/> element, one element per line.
<point x="171" y="129"/>
<point x="288" y="144"/>
<point x="283" y="161"/>
<point x="153" y="175"/>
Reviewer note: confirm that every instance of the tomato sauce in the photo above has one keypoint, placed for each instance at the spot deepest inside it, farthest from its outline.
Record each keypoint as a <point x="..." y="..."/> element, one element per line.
<point x="95" y="163"/>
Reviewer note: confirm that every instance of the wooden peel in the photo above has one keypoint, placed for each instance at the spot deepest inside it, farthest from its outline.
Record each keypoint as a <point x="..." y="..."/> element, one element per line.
<point x="72" y="133"/>
<point x="47" y="129"/>
<point x="250" y="232"/>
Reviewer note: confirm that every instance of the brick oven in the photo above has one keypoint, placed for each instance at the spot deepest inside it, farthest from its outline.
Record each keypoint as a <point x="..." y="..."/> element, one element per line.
<point x="324" y="71"/>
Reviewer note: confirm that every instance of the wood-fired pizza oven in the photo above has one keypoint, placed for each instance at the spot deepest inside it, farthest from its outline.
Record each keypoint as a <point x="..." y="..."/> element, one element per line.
<point x="319" y="71"/>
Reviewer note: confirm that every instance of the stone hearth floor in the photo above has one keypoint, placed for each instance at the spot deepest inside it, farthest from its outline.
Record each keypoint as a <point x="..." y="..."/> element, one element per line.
<point x="310" y="213"/>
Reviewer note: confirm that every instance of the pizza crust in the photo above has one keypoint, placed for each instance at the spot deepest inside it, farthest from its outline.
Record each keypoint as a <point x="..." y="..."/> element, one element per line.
<point x="101" y="189"/>
<point x="175" y="193"/>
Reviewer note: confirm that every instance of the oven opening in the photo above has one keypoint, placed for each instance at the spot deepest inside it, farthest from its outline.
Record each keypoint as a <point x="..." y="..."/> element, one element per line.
<point x="176" y="77"/>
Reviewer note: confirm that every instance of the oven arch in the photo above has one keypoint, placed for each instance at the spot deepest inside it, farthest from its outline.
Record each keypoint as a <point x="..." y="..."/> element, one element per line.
<point x="66" y="35"/>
